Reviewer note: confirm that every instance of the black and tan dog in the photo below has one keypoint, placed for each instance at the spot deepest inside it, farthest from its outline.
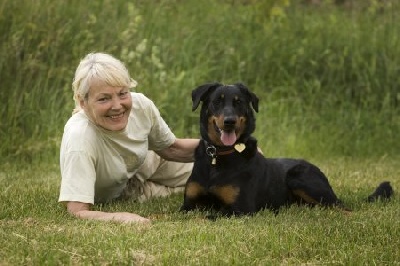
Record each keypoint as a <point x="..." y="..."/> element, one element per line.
<point x="231" y="176"/>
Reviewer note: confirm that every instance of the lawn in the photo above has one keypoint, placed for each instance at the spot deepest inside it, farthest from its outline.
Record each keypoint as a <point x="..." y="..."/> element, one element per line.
<point x="36" y="230"/>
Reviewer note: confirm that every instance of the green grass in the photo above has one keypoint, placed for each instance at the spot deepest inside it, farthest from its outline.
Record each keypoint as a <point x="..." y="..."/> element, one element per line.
<point x="35" y="230"/>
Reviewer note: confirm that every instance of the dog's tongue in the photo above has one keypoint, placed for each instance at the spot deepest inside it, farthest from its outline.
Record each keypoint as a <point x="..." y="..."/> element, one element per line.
<point x="228" y="138"/>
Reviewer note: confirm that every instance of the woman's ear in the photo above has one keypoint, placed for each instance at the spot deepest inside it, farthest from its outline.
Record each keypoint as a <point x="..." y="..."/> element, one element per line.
<point x="82" y="102"/>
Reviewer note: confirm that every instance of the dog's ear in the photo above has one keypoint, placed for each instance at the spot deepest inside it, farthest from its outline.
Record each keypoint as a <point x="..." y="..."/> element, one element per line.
<point x="254" y="101"/>
<point x="201" y="93"/>
<point x="253" y="98"/>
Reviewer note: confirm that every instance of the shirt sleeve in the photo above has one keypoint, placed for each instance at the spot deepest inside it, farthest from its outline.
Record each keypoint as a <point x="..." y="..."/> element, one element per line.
<point x="77" y="162"/>
<point x="78" y="177"/>
<point x="160" y="136"/>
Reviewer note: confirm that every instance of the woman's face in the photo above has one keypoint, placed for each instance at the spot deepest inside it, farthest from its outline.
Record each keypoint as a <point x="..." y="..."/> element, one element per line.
<point x="108" y="107"/>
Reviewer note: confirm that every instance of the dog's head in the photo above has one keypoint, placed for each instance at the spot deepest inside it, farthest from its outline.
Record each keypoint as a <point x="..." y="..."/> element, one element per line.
<point x="226" y="115"/>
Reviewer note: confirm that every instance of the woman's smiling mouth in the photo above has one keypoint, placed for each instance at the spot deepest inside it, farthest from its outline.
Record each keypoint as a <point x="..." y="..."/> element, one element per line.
<point x="117" y="116"/>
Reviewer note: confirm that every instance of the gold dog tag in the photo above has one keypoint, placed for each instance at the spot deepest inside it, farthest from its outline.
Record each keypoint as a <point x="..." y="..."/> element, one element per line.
<point x="213" y="161"/>
<point x="240" y="147"/>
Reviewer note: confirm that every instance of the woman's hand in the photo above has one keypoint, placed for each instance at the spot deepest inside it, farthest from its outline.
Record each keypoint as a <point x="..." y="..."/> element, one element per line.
<point x="82" y="211"/>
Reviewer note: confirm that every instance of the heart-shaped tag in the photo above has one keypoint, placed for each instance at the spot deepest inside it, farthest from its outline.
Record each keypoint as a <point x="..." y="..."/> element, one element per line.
<point x="240" y="147"/>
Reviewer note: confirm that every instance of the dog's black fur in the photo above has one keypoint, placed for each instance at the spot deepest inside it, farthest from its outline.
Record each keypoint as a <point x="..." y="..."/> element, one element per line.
<point x="233" y="181"/>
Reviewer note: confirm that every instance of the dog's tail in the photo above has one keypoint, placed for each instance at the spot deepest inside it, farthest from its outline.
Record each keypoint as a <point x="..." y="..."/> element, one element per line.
<point x="384" y="192"/>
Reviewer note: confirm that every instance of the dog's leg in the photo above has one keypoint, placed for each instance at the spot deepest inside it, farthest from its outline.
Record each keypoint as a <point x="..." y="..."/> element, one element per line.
<point x="311" y="186"/>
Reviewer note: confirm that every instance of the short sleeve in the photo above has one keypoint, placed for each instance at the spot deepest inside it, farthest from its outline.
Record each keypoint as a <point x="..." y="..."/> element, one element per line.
<point x="78" y="177"/>
<point x="78" y="161"/>
<point x="160" y="136"/>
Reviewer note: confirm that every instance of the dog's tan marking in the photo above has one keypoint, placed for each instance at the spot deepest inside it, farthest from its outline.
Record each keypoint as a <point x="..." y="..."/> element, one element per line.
<point x="241" y="126"/>
<point x="300" y="193"/>
<point x="227" y="194"/>
<point x="193" y="189"/>
<point x="212" y="134"/>
<point x="219" y="121"/>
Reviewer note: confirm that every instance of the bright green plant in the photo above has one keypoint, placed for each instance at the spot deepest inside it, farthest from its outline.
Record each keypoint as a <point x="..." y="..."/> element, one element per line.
<point x="327" y="75"/>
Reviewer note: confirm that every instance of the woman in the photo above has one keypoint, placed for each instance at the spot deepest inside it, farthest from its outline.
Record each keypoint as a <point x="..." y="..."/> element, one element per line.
<point x="116" y="145"/>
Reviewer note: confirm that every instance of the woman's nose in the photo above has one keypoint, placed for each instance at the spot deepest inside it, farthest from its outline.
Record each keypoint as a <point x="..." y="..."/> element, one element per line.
<point x="116" y="104"/>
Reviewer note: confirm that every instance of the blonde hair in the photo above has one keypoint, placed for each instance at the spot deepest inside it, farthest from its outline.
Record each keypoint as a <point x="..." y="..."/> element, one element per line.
<point x="97" y="68"/>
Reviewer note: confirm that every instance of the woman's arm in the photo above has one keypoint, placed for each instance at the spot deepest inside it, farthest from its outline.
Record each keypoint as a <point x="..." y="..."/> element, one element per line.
<point x="182" y="150"/>
<point x="82" y="211"/>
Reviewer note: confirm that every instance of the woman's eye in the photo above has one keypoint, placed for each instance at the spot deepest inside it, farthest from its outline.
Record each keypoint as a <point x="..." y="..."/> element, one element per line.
<point x="103" y="99"/>
<point x="123" y="94"/>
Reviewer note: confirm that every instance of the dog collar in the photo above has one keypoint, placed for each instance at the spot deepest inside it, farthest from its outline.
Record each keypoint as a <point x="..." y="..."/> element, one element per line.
<point x="213" y="152"/>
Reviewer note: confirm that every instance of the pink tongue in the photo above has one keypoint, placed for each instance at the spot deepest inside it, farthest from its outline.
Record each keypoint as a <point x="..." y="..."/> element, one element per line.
<point x="228" y="138"/>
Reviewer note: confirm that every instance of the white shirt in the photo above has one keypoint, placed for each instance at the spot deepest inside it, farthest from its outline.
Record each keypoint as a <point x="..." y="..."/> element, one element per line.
<point x="96" y="163"/>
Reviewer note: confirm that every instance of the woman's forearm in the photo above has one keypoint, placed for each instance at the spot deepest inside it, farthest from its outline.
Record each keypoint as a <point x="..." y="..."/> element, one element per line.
<point x="82" y="210"/>
<point x="182" y="150"/>
<point x="123" y="217"/>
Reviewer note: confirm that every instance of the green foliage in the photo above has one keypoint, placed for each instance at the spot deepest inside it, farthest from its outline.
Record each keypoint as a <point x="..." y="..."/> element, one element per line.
<point x="327" y="76"/>
<point x="35" y="230"/>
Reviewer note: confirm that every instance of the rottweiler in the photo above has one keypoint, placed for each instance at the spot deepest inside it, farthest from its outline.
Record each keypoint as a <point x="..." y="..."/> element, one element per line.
<point x="232" y="177"/>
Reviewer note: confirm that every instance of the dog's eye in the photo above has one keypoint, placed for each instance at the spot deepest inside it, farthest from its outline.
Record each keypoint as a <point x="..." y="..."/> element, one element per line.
<point x="236" y="100"/>
<point x="217" y="101"/>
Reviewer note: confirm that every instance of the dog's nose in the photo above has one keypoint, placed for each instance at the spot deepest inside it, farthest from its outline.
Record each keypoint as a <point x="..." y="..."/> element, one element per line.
<point x="229" y="121"/>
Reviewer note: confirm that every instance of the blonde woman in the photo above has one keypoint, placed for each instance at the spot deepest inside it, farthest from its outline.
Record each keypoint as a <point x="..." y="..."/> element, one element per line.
<point x="116" y="145"/>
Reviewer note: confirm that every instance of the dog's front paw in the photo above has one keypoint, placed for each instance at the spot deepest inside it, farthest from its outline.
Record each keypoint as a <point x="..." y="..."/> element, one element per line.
<point x="187" y="208"/>
<point x="183" y="208"/>
<point x="212" y="217"/>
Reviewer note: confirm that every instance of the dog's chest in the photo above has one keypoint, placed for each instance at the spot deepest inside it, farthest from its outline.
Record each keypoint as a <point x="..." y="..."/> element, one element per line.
<point x="223" y="185"/>
<point x="218" y="179"/>
<point x="227" y="194"/>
